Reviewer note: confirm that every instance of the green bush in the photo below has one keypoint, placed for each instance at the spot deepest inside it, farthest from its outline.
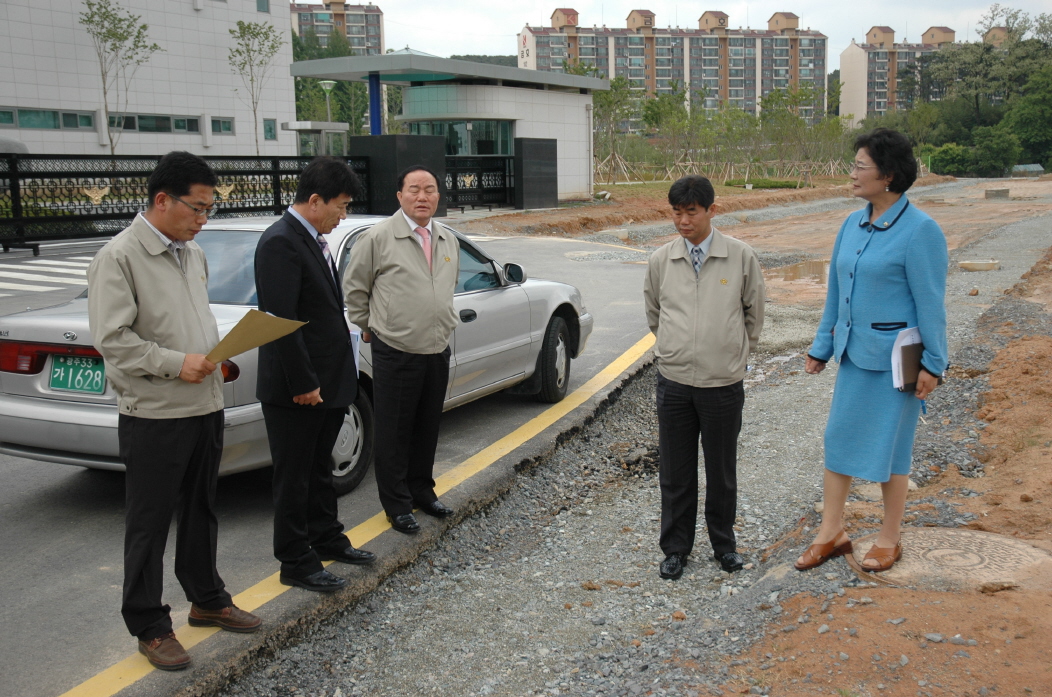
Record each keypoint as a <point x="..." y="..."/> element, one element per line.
<point x="764" y="183"/>
<point x="996" y="151"/>
<point x="951" y="159"/>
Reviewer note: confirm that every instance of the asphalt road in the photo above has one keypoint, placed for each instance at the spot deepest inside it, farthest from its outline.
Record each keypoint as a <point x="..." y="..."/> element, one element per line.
<point x="62" y="527"/>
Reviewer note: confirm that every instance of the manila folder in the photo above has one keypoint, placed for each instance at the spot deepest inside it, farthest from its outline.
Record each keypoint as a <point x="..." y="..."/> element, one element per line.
<point x="255" y="329"/>
<point x="905" y="359"/>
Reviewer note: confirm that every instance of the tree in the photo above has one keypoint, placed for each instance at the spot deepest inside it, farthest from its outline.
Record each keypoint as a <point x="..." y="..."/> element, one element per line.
<point x="1017" y="23"/>
<point x="995" y="151"/>
<point x="1030" y="118"/>
<point x="951" y="159"/>
<point x="252" y="57"/>
<point x="833" y="90"/>
<point x="121" y="45"/>
<point x="664" y="109"/>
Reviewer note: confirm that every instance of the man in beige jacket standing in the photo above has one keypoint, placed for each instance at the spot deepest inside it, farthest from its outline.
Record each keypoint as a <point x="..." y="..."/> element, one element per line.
<point x="149" y="318"/>
<point x="704" y="298"/>
<point x="399" y="290"/>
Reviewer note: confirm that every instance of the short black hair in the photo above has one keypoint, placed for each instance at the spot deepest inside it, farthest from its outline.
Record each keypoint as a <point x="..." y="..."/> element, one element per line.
<point x="329" y="177"/>
<point x="414" y="168"/>
<point x="176" y="173"/>
<point x="893" y="155"/>
<point x="692" y="190"/>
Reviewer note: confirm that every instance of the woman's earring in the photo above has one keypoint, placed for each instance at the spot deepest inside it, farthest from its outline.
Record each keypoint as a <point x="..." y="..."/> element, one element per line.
<point x="887" y="188"/>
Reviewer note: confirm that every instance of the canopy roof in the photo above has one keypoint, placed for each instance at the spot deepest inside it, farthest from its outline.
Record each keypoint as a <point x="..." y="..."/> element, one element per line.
<point x="409" y="66"/>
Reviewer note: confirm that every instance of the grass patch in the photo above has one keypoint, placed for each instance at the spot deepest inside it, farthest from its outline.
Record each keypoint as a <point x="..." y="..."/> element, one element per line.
<point x="764" y="183"/>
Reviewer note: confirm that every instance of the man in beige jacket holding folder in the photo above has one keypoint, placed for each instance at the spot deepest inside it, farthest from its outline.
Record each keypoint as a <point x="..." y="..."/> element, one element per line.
<point x="149" y="318"/>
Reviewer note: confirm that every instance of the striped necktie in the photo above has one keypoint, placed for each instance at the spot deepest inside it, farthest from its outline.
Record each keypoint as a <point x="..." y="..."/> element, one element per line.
<point x="695" y="258"/>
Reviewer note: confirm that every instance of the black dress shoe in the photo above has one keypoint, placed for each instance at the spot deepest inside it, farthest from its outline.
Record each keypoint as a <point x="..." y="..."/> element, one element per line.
<point x="435" y="508"/>
<point x="349" y="556"/>
<point x="321" y="581"/>
<point x="730" y="561"/>
<point x="404" y="523"/>
<point x="672" y="567"/>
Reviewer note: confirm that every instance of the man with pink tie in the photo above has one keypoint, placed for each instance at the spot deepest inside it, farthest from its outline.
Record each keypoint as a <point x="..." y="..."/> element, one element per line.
<point x="398" y="288"/>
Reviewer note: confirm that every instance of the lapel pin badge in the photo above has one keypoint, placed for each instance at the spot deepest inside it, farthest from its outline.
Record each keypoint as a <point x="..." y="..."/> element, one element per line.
<point x="447" y="258"/>
<point x="723" y="281"/>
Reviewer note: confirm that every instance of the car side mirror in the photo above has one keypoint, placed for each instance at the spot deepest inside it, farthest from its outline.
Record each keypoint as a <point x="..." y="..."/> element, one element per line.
<point x="514" y="273"/>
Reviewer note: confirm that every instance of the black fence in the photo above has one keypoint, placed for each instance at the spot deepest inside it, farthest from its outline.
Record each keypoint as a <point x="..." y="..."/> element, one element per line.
<point x="480" y="181"/>
<point x="60" y="197"/>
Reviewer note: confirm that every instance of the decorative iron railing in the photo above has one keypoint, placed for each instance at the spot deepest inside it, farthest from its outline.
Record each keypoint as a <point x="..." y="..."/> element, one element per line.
<point x="58" y="197"/>
<point x="482" y="180"/>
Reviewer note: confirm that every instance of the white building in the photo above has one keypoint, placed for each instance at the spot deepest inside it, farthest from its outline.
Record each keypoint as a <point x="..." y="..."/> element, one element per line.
<point x="185" y="98"/>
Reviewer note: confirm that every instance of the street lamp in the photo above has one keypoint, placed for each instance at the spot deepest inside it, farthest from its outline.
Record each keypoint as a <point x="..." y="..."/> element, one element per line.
<point x="326" y="86"/>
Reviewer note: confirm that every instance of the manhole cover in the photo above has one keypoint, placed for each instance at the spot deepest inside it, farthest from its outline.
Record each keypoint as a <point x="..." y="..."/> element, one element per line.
<point x="949" y="559"/>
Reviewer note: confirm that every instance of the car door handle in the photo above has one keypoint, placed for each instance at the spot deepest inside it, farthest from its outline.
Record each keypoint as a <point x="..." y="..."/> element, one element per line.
<point x="468" y="316"/>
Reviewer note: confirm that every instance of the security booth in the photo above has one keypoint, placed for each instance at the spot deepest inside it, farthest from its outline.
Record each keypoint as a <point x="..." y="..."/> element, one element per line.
<point x="481" y="113"/>
<point x="319" y="137"/>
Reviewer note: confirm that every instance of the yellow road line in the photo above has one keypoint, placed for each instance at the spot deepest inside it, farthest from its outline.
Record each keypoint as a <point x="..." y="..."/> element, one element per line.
<point x="128" y="671"/>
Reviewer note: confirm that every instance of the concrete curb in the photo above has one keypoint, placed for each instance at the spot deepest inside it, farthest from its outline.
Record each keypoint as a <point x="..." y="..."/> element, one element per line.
<point x="295" y="614"/>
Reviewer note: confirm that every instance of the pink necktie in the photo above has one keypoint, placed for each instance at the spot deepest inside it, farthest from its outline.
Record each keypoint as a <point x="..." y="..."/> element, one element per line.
<point x="425" y="235"/>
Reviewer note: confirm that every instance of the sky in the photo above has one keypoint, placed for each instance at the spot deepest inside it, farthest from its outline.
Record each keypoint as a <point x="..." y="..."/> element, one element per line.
<point x="489" y="26"/>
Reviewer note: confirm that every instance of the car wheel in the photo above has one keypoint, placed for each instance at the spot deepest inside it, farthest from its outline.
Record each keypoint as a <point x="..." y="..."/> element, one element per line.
<point x="555" y="361"/>
<point x="353" y="452"/>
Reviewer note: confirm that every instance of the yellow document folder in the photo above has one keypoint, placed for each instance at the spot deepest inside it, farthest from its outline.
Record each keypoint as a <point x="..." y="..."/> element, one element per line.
<point x="255" y="329"/>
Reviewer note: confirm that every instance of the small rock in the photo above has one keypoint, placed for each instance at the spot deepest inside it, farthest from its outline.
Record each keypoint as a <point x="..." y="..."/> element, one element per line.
<point x="865" y="600"/>
<point x="876" y="658"/>
<point x="973" y="292"/>
<point x="789" y="628"/>
<point x="922" y="683"/>
<point x="903" y="661"/>
<point x="934" y="638"/>
<point x="853" y="631"/>
<point x="844" y="656"/>
<point x="962" y="654"/>
<point x="598" y="621"/>
<point x="958" y="640"/>
<point x="819" y="507"/>
<point x="679" y="615"/>
<point x="823" y="629"/>
<point x="897" y="620"/>
<point x="1026" y="498"/>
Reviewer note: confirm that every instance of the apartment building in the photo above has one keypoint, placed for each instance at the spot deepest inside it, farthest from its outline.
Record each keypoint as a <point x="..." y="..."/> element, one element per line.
<point x="730" y="66"/>
<point x="362" y="24"/>
<point x="873" y="74"/>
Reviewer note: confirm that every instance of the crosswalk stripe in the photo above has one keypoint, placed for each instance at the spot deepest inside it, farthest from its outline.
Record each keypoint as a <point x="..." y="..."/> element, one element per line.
<point x="82" y="273"/>
<point x="81" y="258"/>
<point x="39" y="277"/>
<point x="54" y="262"/>
<point x="21" y="286"/>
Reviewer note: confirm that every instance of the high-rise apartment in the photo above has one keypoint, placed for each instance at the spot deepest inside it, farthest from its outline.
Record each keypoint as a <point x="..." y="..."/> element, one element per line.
<point x="877" y="75"/>
<point x="729" y="66"/>
<point x="363" y="24"/>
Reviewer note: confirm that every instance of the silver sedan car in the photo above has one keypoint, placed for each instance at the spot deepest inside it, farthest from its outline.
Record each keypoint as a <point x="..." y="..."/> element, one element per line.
<point x="514" y="334"/>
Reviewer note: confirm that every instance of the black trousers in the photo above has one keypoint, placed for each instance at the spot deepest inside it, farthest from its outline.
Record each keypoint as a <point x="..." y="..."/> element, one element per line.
<point x="172" y="466"/>
<point x="305" y="511"/>
<point x="684" y="413"/>
<point x="408" y="392"/>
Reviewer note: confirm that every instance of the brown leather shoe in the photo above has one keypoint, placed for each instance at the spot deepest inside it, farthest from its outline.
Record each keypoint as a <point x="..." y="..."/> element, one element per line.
<point x="165" y="652"/>
<point x="885" y="557"/>
<point x="232" y="619"/>
<point x="816" y="555"/>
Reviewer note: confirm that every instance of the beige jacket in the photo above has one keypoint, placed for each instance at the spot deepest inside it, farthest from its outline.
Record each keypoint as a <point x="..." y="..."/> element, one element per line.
<point x="145" y="315"/>
<point x="390" y="291"/>
<point x="706" y="324"/>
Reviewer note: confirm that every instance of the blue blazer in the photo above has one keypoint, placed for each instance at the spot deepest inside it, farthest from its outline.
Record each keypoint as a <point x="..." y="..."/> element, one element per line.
<point x="883" y="278"/>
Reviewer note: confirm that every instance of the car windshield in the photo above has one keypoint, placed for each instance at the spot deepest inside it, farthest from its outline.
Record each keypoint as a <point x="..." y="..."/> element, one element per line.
<point x="231" y="270"/>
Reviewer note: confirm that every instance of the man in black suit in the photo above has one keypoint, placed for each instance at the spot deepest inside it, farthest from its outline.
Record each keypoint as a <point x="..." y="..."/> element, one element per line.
<point x="307" y="380"/>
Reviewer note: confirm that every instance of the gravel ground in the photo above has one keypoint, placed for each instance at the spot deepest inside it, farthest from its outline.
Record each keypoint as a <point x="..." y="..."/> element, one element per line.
<point x="553" y="589"/>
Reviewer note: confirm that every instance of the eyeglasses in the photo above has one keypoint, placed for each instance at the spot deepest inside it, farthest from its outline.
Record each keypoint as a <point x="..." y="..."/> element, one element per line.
<point x="856" y="167"/>
<point x="199" y="212"/>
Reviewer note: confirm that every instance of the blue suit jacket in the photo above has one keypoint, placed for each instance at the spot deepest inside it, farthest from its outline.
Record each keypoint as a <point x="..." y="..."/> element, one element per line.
<point x="885" y="277"/>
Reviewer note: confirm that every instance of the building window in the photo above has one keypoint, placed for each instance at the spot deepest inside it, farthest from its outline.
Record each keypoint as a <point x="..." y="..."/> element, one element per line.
<point x="155" y="124"/>
<point x="7" y="117"/>
<point x="185" y="125"/>
<point x="270" y="129"/>
<point x="263" y="6"/>
<point x="223" y="126"/>
<point x="37" y="118"/>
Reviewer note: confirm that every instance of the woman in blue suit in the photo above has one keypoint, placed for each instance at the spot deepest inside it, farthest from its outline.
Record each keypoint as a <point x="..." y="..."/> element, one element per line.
<point x="888" y="272"/>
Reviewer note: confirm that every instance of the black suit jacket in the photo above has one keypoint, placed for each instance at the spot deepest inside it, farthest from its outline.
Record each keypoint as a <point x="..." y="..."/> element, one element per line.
<point x="293" y="281"/>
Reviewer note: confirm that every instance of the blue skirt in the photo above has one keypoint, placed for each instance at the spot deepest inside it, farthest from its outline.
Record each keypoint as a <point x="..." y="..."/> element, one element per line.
<point x="871" y="425"/>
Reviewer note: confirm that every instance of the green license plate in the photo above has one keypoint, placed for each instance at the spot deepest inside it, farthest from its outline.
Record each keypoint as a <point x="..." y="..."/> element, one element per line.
<point x="78" y="374"/>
